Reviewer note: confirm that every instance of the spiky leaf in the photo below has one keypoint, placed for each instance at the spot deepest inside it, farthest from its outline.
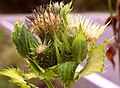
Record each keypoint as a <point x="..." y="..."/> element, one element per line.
<point x="25" y="44"/>
<point x="16" y="75"/>
<point x="47" y="75"/>
<point x="30" y="75"/>
<point x="79" y="47"/>
<point x="24" y="40"/>
<point x="66" y="71"/>
<point x="95" y="62"/>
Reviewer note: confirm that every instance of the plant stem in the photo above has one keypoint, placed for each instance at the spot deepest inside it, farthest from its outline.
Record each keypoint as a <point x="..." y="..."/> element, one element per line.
<point x="32" y="86"/>
<point x="48" y="83"/>
<point x="113" y="20"/>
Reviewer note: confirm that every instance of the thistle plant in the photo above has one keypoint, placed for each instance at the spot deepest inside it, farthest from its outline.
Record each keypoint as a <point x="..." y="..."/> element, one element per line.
<point x="54" y="43"/>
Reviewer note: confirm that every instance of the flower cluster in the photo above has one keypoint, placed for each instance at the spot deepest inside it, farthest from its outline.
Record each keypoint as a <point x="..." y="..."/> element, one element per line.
<point x="54" y="43"/>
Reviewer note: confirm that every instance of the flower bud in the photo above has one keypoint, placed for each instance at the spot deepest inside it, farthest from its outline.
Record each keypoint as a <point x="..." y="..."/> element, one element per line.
<point x="44" y="20"/>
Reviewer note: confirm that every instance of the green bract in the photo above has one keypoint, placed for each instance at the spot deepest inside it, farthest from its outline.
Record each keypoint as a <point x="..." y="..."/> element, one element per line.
<point x="22" y="38"/>
<point x="54" y="43"/>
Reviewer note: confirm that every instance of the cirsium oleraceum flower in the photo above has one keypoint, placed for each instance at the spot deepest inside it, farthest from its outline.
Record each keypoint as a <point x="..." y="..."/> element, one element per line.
<point x="56" y="46"/>
<point x="44" y="20"/>
<point x="92" y="30"/>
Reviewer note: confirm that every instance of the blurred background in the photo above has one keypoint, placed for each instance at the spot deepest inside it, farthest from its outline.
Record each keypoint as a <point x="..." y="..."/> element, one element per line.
<point x="11" y="10"/>
<point x="25" y="6"/>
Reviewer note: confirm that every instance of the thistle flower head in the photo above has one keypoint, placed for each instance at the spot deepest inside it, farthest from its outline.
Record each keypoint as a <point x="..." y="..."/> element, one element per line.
<point x="44" y="20"/>
<point x="92" y="30"/>
<point x="56" y="46"/>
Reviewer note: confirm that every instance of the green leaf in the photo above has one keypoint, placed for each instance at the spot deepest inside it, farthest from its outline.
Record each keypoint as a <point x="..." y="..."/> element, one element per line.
<point x="48" y="75"/>
<point x="79" y="47"/>
<point x="30" y="75"/>
<point x="24" y="40"/>
<point x="64" y="11"/>
<point x="95" y="62"/>
<point x="26" y="44"/>
<point x="66" y="71"/>
<point x="57" y="43"/>
<point x="16" y="75"/>
<point x="65" y="42"/>
<point x="65" y="49"/>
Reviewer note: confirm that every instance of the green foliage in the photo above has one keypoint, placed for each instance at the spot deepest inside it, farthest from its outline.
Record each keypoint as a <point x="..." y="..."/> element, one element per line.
<point x="63" y="47"/>
<point x="17" y="76"/>
<point x="47" y="75"/>
<point x="24" y="40"/>
<point x="57" y="43"/>
<point x="79" y="47"/>
<point x="64" y="11"/>
<point x="95" y="62"/>
<point x="57" y="56"/>
<point x="66" y="72"/>
<point x="66" y="46"/>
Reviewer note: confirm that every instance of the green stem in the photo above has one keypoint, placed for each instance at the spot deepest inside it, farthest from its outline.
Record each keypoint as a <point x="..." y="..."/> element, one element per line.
<point x="32" y="86"/>
<point x="48" y="83"/>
